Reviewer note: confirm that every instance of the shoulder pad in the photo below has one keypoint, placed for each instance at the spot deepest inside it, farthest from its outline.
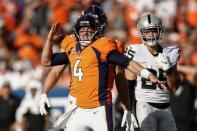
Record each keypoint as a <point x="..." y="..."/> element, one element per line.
<point x="70" y="38"/>
<point x="105" y="40"/>
<point x="169" y="49"/>
<point x="119" y="42"/>
<point x="131" y="50"/>
<point x="173" y="53"/>
<point x="67" y="39"/>
<point x="133" y="47"/>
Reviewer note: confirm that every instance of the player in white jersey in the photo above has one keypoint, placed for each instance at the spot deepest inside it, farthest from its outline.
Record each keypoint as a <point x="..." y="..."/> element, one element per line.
<point x="152" y="102"/>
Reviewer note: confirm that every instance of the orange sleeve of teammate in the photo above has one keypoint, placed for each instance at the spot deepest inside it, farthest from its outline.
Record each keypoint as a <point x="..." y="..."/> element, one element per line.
<point x="106" y="46"/>
<point x="120" y="46"/>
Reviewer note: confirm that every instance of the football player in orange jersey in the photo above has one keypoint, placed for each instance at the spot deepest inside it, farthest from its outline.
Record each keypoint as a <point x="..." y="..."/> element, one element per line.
<point x="55" y="72"/>
<point x="116" y="71"/>
<point x="89" y="60"/>
<point x="51" y="79"/>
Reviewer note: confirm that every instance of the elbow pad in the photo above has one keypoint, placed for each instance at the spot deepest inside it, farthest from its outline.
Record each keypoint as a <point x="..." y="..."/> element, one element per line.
<point x="59" y="59"/>
<point x="116" y="57"/>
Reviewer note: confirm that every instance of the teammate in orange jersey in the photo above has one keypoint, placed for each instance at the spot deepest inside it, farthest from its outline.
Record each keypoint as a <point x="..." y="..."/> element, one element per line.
<point x="116" y="71"/>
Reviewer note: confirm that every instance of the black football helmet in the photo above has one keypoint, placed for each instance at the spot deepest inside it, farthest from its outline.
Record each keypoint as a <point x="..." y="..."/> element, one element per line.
<point x="98" y="14"/>
<point x="86" y="21"/>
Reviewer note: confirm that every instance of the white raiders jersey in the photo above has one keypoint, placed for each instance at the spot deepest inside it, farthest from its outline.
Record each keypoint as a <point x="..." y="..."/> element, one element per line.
<point x="145" y="90"/>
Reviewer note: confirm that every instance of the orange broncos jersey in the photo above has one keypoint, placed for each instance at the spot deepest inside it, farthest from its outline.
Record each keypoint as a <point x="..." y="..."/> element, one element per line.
<point x="90" y="72"/>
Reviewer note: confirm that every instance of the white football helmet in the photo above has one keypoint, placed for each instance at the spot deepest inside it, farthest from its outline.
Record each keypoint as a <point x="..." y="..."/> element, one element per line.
<point x="150" y="22"/>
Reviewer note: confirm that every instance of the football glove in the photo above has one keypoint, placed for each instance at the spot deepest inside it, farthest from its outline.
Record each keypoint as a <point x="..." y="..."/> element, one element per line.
<point x="42" y="102"/>
<point x="126" y="119"/>
<point x="130" y="120"/>
<point x="163" y="61"/>
<point x="134" y="122"/>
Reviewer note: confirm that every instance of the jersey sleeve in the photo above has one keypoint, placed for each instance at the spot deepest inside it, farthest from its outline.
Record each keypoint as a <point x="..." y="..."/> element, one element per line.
<point x="106" y="47"/>
<point x="173" y="54"/>
<point x="67" y="39"/>
<point x="64" y="43"/>
<point x="120" y="46"/>
<point x="130" y="52"/>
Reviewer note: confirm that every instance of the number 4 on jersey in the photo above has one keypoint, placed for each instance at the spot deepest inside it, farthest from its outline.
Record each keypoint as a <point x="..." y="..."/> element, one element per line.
<point x="78" y="71"/>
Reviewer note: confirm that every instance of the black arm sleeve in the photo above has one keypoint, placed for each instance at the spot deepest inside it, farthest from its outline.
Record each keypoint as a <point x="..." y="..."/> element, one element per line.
<point x="131" y="86"/>
<point x="59" y="59"/>
<point x="116" y="57"/>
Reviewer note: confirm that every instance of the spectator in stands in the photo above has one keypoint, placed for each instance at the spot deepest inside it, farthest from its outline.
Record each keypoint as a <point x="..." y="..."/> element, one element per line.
<point x="28" y="115"/>
<point x="8" y="106"/>
<point x="182" y="104"/>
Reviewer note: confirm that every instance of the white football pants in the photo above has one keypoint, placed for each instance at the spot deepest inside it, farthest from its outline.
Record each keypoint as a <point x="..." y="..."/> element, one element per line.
<point x="98" y="119"/>
<point x="154" y="119"/>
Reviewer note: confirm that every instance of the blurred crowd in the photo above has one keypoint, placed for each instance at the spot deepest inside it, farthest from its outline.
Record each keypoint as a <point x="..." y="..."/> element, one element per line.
<point x="24" y="25"/>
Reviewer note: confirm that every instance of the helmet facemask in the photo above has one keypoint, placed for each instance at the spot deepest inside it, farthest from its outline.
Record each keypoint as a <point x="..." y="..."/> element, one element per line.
<point x="151" y="36"/>
<point x="86" y="35"/>
<point x="86" y="30"/>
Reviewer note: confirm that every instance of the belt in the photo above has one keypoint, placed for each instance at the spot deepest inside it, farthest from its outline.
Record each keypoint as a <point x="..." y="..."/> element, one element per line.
<point x="159" y="105"/>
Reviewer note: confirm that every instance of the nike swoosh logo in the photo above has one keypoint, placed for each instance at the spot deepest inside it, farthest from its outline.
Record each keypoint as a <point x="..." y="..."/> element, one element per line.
<point x="95" y="112"/>
<point x="164" y="62"/>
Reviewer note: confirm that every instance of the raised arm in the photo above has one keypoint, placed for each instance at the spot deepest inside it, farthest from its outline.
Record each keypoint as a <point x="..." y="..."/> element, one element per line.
<point x="47" y="57"/>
